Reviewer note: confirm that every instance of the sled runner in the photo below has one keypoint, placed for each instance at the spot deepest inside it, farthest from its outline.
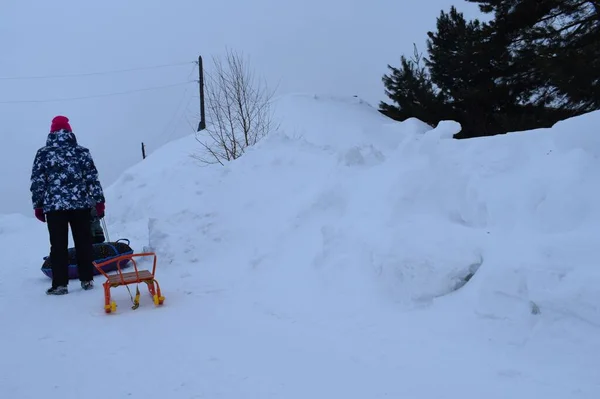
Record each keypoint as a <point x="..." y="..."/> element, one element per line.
<point x="135" y="277"/>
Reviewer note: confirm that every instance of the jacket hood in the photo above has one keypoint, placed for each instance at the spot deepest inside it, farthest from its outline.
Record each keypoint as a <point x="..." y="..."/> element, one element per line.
<point x="61" y="138"/>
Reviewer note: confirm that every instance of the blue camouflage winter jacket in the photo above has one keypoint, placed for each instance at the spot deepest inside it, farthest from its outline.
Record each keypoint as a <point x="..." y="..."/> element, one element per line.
<point x="64" y="176"/>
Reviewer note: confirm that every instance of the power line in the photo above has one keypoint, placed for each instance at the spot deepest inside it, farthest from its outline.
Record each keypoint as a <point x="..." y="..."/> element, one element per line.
<point x="171" y="122"/>
<point x="95" y="96"/>
<point x="94" y="73"/>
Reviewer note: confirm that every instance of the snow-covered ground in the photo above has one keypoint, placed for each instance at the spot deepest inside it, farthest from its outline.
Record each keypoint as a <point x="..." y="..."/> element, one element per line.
<point x="331" y="261"/>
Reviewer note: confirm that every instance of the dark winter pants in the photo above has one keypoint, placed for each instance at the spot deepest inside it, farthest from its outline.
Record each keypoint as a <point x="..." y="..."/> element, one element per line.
<point x="58" y="227"/>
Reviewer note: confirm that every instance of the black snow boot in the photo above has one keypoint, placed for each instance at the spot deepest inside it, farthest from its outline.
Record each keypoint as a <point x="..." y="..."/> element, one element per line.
<point x="87" y="285"/>
<point x="60" y="290"/>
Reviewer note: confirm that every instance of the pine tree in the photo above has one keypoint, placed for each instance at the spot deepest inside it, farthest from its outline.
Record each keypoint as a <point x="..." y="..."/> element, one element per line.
<point x="411" y="88"/>
<point x="460" y="64"/>
<point x="556" y="48"/>
<point x="458" y="81"/>
<point x="488" y="76"/>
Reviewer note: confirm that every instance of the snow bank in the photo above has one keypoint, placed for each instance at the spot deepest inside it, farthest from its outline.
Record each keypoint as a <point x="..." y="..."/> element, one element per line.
<point x="345" y="256"/>
<point x="345" y="203"/>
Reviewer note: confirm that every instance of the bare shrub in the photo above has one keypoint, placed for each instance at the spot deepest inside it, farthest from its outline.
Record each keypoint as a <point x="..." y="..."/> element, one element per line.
<point x="238" y="110"/>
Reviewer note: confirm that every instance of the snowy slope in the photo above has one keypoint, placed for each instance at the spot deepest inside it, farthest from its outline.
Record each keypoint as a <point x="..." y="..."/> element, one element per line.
<point x="326" y="262"/>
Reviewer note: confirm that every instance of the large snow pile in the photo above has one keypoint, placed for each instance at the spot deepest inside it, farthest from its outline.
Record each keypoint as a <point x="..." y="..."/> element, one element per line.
<point x="347" y="255"/>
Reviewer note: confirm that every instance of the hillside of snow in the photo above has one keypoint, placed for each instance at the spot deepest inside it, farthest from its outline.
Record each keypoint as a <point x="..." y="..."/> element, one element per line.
<point x="347" y="255"/>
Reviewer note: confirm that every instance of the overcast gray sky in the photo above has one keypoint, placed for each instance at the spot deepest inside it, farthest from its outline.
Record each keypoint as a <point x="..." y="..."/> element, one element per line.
<point x="338" y="47"/>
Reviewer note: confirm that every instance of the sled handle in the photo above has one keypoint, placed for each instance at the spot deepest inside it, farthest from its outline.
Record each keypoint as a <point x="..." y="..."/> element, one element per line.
<point x="126" y="257"/>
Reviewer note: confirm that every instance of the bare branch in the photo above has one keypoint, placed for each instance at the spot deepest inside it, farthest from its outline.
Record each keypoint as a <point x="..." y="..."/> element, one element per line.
<point x="238" y="110"/>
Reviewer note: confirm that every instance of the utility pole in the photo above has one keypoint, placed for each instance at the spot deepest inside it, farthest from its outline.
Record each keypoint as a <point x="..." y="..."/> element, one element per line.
<point x="202" y="124"/>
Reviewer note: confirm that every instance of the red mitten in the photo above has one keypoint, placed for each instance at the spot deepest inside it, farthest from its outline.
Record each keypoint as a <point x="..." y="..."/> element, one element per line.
<point x="39" y="214"/>
<point x="100" y="209"/>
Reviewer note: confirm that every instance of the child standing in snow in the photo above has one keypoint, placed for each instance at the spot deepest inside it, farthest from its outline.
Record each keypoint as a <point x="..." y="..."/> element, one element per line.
<point x="64" y="188"/>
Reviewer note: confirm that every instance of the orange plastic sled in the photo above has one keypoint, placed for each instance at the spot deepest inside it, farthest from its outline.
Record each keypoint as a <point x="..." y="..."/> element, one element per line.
<point x="135" y="277"/>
